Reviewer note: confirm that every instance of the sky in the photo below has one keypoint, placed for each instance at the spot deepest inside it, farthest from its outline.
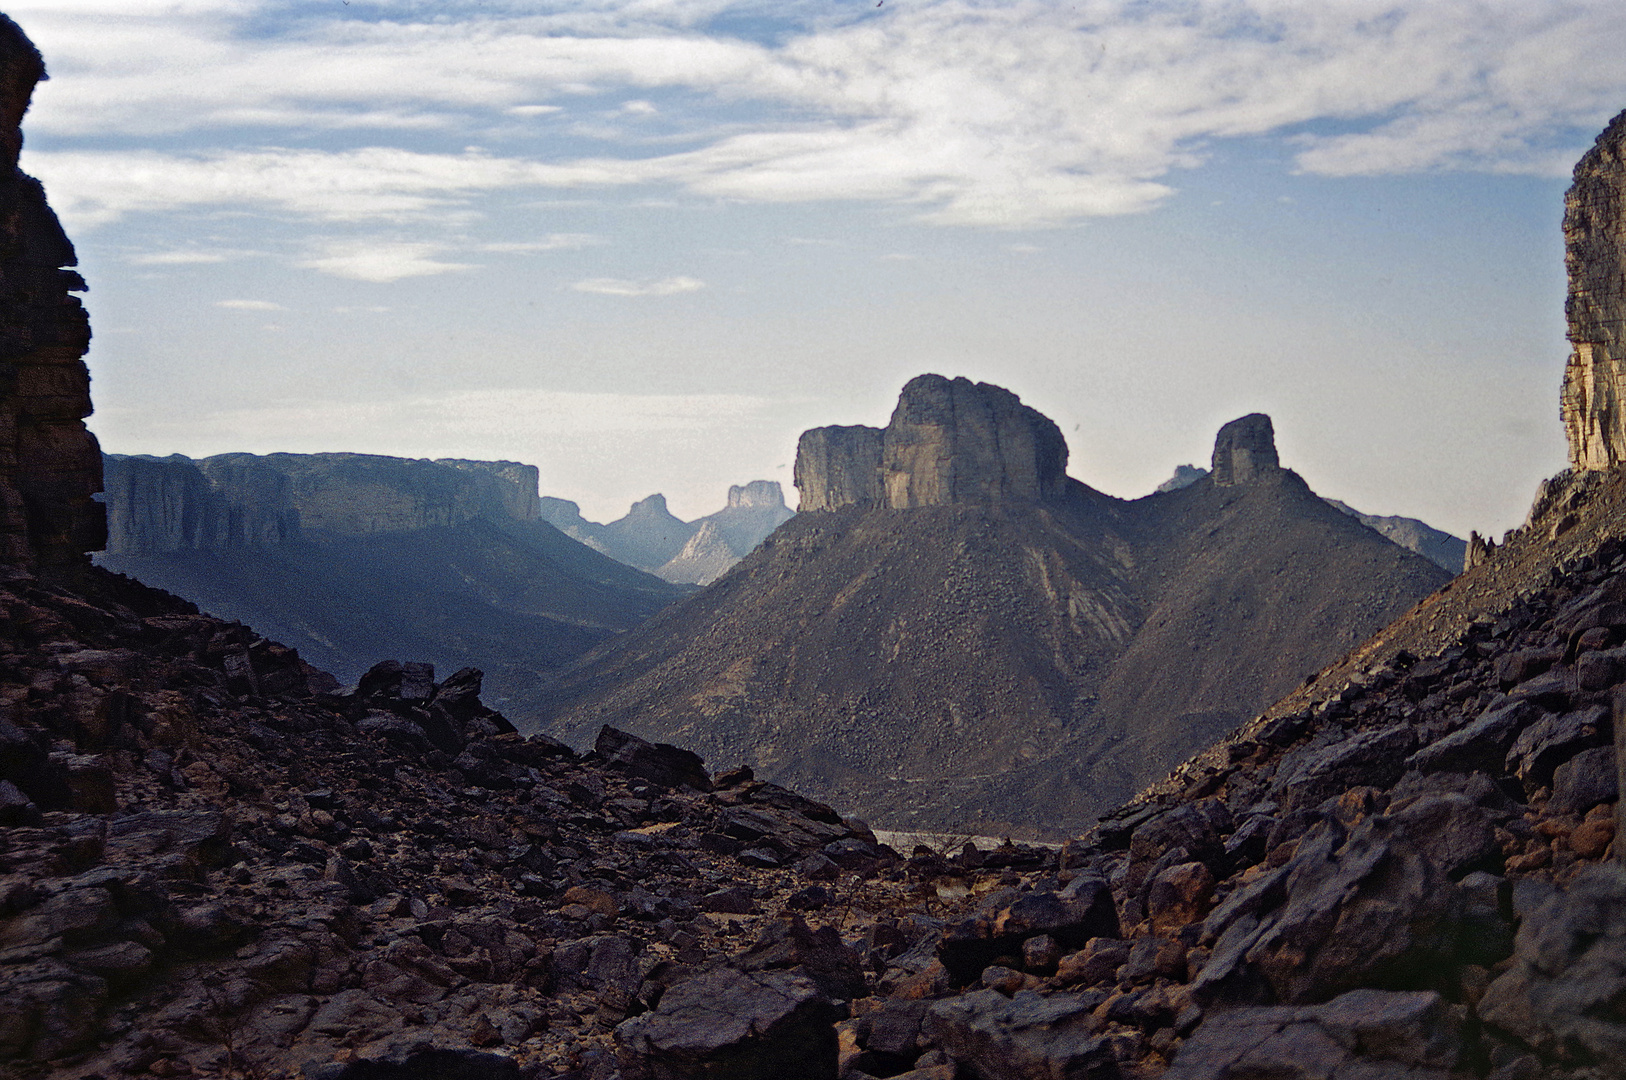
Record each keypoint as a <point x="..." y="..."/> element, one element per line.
<point x="643" y="244"/>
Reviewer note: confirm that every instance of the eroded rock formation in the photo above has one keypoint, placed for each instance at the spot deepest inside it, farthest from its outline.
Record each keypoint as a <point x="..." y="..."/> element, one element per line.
<point x="1593" y="405"/>
<point x="949" y="443"/>
<point x="1244" y="450"/>
<point x="50" y="466"/>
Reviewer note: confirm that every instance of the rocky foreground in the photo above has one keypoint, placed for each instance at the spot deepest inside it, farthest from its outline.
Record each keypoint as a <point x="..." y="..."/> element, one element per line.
<point x="214" y="865"/>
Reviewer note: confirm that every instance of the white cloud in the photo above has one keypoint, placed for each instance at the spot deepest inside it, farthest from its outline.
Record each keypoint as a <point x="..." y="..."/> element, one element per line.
<point x="382" y="260"/>
<point x="552" y="242"/>
<point x="178" y="258"/>
<point x="249" y="305"/>
<point x="971" y="113"/>
<point x="623" y="287"/>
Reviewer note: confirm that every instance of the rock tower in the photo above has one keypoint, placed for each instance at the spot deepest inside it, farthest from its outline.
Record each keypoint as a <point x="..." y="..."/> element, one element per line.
<point x="1594" y="400"/>
<point x="50" y="465"/>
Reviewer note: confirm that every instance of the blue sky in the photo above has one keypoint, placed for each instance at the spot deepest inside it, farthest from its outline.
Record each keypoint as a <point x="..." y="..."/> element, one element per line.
<point x="644" y="243"/>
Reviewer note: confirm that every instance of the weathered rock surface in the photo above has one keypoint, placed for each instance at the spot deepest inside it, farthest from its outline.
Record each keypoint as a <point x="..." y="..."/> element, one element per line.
<point x="50" y="465"/>
<point x="1244" y="450"/>
<point x="949" y="443"/>
<point x="997" y="644"/>
<point x="1593" y="406"/>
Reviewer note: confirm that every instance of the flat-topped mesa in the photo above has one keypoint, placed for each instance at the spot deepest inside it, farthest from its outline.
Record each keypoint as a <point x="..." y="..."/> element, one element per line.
<point x="1593" y="405"/>
<point x="949" y="443"/>
<point x="1244" y="450"/>
<point x="50" y="465"/>
<point x="756" y="494"/>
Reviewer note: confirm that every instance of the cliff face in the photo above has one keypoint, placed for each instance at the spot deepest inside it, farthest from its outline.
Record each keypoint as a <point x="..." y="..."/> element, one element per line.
<point x="1593" y="405"/>
<point x="233" y="501"/>
<point x="949" y="443"/>
<point x="839" y="466"/>
<point x="50" y="465"/>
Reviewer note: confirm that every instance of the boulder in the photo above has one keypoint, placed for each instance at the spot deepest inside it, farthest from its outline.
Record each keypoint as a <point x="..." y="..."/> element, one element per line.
<point x="1395" y="1035"/>
<point x="1001" y="927"/>
<point x="660" y="763"/>
<point x="1562" y="994"/>
<point x="730" y="1025"/>
<point x="993" y="1037"/>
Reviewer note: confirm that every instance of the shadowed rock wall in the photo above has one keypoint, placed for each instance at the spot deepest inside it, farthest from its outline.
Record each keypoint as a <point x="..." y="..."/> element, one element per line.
<point x="50" y="466"/>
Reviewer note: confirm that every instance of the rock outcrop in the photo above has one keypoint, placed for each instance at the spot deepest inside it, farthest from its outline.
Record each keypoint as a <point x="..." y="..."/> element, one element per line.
<point x="50" y="466"/>
<point x="1244" y="451"/>
<point x="994" y="643"/>
<point x="949" y="443"/>
<point x="1593" y="405"/>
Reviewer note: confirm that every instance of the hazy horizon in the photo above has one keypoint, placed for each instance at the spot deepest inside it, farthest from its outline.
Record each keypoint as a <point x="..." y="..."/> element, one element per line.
<point x="643" y="244"/>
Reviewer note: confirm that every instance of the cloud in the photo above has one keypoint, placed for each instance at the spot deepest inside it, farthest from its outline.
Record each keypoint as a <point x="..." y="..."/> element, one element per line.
<point x="623" y="287"/>
<point x="178" y="258"/>
<point x="552" y="242"/>
<point x="382" y="261"/>
<point x="249" y="305"/>
<point x="1024" y="114"/>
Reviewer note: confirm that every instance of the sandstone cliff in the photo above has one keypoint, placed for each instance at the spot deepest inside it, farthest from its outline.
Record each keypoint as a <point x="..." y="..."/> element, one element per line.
<point x="949" y="443"/>
<point x="952" y="655"/>
<point x="1593" y="405"/>
<point x="50" y="466"/>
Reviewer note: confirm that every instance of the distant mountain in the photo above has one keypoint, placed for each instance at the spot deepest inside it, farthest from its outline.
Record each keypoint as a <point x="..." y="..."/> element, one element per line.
<point x="1435" y="545"/>
<point x="696" y="552"/>
<point x="954" y="634"/>
<point x="354" y="558"/>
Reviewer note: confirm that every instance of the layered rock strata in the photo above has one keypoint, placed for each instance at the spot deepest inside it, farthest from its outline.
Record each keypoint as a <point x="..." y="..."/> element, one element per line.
<point x="1244" y="450"/>
<point x="1593" y="404"/>
<point x="50" y="466"/>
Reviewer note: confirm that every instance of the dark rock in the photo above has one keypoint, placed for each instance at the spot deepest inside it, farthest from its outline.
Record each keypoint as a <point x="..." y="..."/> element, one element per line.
<point x="1563" y="991"/>
<point x="662" y="763"/>
<point x="729" y="1025"/>
<point x="1361" y="1033"/>
<point x="1584" y="781"/>
<point x="1553" y="740"/>
<point x="424" y="1065"/>
<point x="998" y="1038"/>
<point x="1481" y="746"/>
<point x="1001" y="928"/>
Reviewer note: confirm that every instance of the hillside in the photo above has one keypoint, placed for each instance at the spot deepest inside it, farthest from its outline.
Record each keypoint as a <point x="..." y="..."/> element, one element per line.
<point x="962" y="637"/>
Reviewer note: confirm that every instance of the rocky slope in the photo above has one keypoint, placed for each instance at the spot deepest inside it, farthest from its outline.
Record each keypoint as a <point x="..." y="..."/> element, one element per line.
<point x="652" y="538"/>
<point x="349" y="557"/>
<point x="1437" y="546"/>
<point x="212" y="865"/>
<point x="961" y="637"/>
